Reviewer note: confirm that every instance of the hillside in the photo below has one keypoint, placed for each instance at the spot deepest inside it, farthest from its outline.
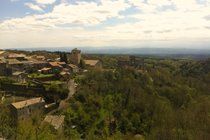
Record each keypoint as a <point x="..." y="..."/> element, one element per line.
<point x="159" y="102"/>
<point x="164" y="99"/>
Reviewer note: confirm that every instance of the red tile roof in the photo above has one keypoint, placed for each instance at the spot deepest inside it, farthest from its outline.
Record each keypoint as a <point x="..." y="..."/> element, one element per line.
<point x="57" y="64"/>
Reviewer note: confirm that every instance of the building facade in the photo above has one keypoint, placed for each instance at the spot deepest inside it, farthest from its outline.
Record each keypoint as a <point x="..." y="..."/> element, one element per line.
<point x="132" y="62"/>
<point x="73" y="68"/>
<point x="24" y="109"/>
<point x="93" y="63"/>
<point x="57" y="122"/>
<point x="75" y="56"/>
<point x="3" y="67"/>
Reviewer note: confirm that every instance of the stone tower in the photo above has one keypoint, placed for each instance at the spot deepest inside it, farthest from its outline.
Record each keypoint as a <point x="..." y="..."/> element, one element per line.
<point x="75" y="56"/>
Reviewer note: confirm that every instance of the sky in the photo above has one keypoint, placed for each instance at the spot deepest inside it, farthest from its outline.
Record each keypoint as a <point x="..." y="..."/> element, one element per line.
<point x="105" y="23"/>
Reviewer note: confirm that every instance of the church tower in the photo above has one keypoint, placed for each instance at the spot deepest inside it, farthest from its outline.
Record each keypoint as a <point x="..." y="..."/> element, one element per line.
<point x="75" y="56"/>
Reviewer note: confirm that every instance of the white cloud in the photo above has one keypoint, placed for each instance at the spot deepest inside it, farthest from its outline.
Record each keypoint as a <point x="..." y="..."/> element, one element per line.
<point x="14" y="0"/>
<point x="34" y="7"/>
<point x="187" y="21"/>
<point x="84" y="14"/>
<point x="87" y="13"/>
<point x="45" y="1"/>
<point x="151" y="5"/>
<point x="66" y="24"/>
<point x="47" y="28"/>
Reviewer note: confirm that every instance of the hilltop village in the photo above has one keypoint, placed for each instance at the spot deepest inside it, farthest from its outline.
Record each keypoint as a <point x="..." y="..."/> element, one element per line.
<point x="20" y="71"/>
<point x="73" y="96"/>
<point x="44" y="82"/>
<point x="13" y="64"/>
<point x="35" y="83"/>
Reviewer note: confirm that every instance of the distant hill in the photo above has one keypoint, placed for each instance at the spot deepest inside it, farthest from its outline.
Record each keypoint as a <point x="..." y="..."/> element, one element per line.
<point x="161" y="52"/>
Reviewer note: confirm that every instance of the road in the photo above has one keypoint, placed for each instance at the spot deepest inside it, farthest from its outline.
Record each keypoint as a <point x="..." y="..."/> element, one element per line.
<point x="65" y="103"/>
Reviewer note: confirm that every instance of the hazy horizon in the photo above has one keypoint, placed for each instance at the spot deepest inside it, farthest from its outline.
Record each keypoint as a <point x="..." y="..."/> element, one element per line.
<point x="164" y="52"/>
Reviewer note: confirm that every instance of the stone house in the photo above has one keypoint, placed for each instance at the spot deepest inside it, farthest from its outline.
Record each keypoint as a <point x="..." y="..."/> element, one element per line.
<point x="40" y="58"/>
<point x="93" y="63"/>
<point x="73" y="68"/>
<point x="20" y="57"/>
<point x="57" y="122"/>
<point x="24" y="109"/>
<point x="21" y="77"/>
<point x="3" y="67"/>
<point x="133" y="61"/>
<point x="57" y="66"/>
<point x="46" y="70"/>
<point x="15" y="65"/>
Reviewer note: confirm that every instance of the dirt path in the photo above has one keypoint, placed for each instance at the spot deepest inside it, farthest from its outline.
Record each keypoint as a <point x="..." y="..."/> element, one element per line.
<point x="65" y="103"/>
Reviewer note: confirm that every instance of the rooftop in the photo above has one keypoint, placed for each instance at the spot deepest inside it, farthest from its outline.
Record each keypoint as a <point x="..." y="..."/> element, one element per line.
<point x="16" y="55"/>
<point x="40" y="57"/>
<point x="72" y="66"/>
<point x="62" y="63"/>
<point x="18" y="73"/>
<point x="57" y="64"/>
<point x="29" y="102"/>
<point x="91" y="62"/>
<point x="2" y="61"/>
<point x="1" y="52"/>
<point x="45" y="69"/>
<point x="64" y="73"/>
<point x="13" y="61"/>
<point x="55" y="121"/>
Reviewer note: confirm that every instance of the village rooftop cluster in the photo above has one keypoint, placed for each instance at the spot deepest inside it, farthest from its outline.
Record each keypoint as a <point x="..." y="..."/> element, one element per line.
<point x="13" y="64"/>
<point x="31" y="74"/>
<point x="30" y="84"/>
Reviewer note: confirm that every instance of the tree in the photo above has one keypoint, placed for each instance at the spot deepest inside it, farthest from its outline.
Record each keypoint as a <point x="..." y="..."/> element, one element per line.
<point x="82" y="64"/>
<point x="7" y="122"/>
<point x="63" y="57"/>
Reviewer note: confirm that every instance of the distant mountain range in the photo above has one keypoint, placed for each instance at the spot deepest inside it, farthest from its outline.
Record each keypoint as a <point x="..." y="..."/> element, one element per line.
<point x="169" y="52"/>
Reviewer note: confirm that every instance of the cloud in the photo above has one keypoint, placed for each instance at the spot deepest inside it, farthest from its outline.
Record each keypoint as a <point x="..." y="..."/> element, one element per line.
<point x="207" y="27"/>
<point x="14" y="0"/>
<point x="34" y="7"/>
<point x="164" y="31"/>
<point x="88" y="13"/>
<point x="45" y="1"/>
<point x="207" y="17"/>
<point x="88" y="24"/>
<point x="81" y="14"/>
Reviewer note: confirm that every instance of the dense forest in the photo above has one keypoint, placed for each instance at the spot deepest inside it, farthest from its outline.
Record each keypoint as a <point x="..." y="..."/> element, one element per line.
<point x="167" y="99"/>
